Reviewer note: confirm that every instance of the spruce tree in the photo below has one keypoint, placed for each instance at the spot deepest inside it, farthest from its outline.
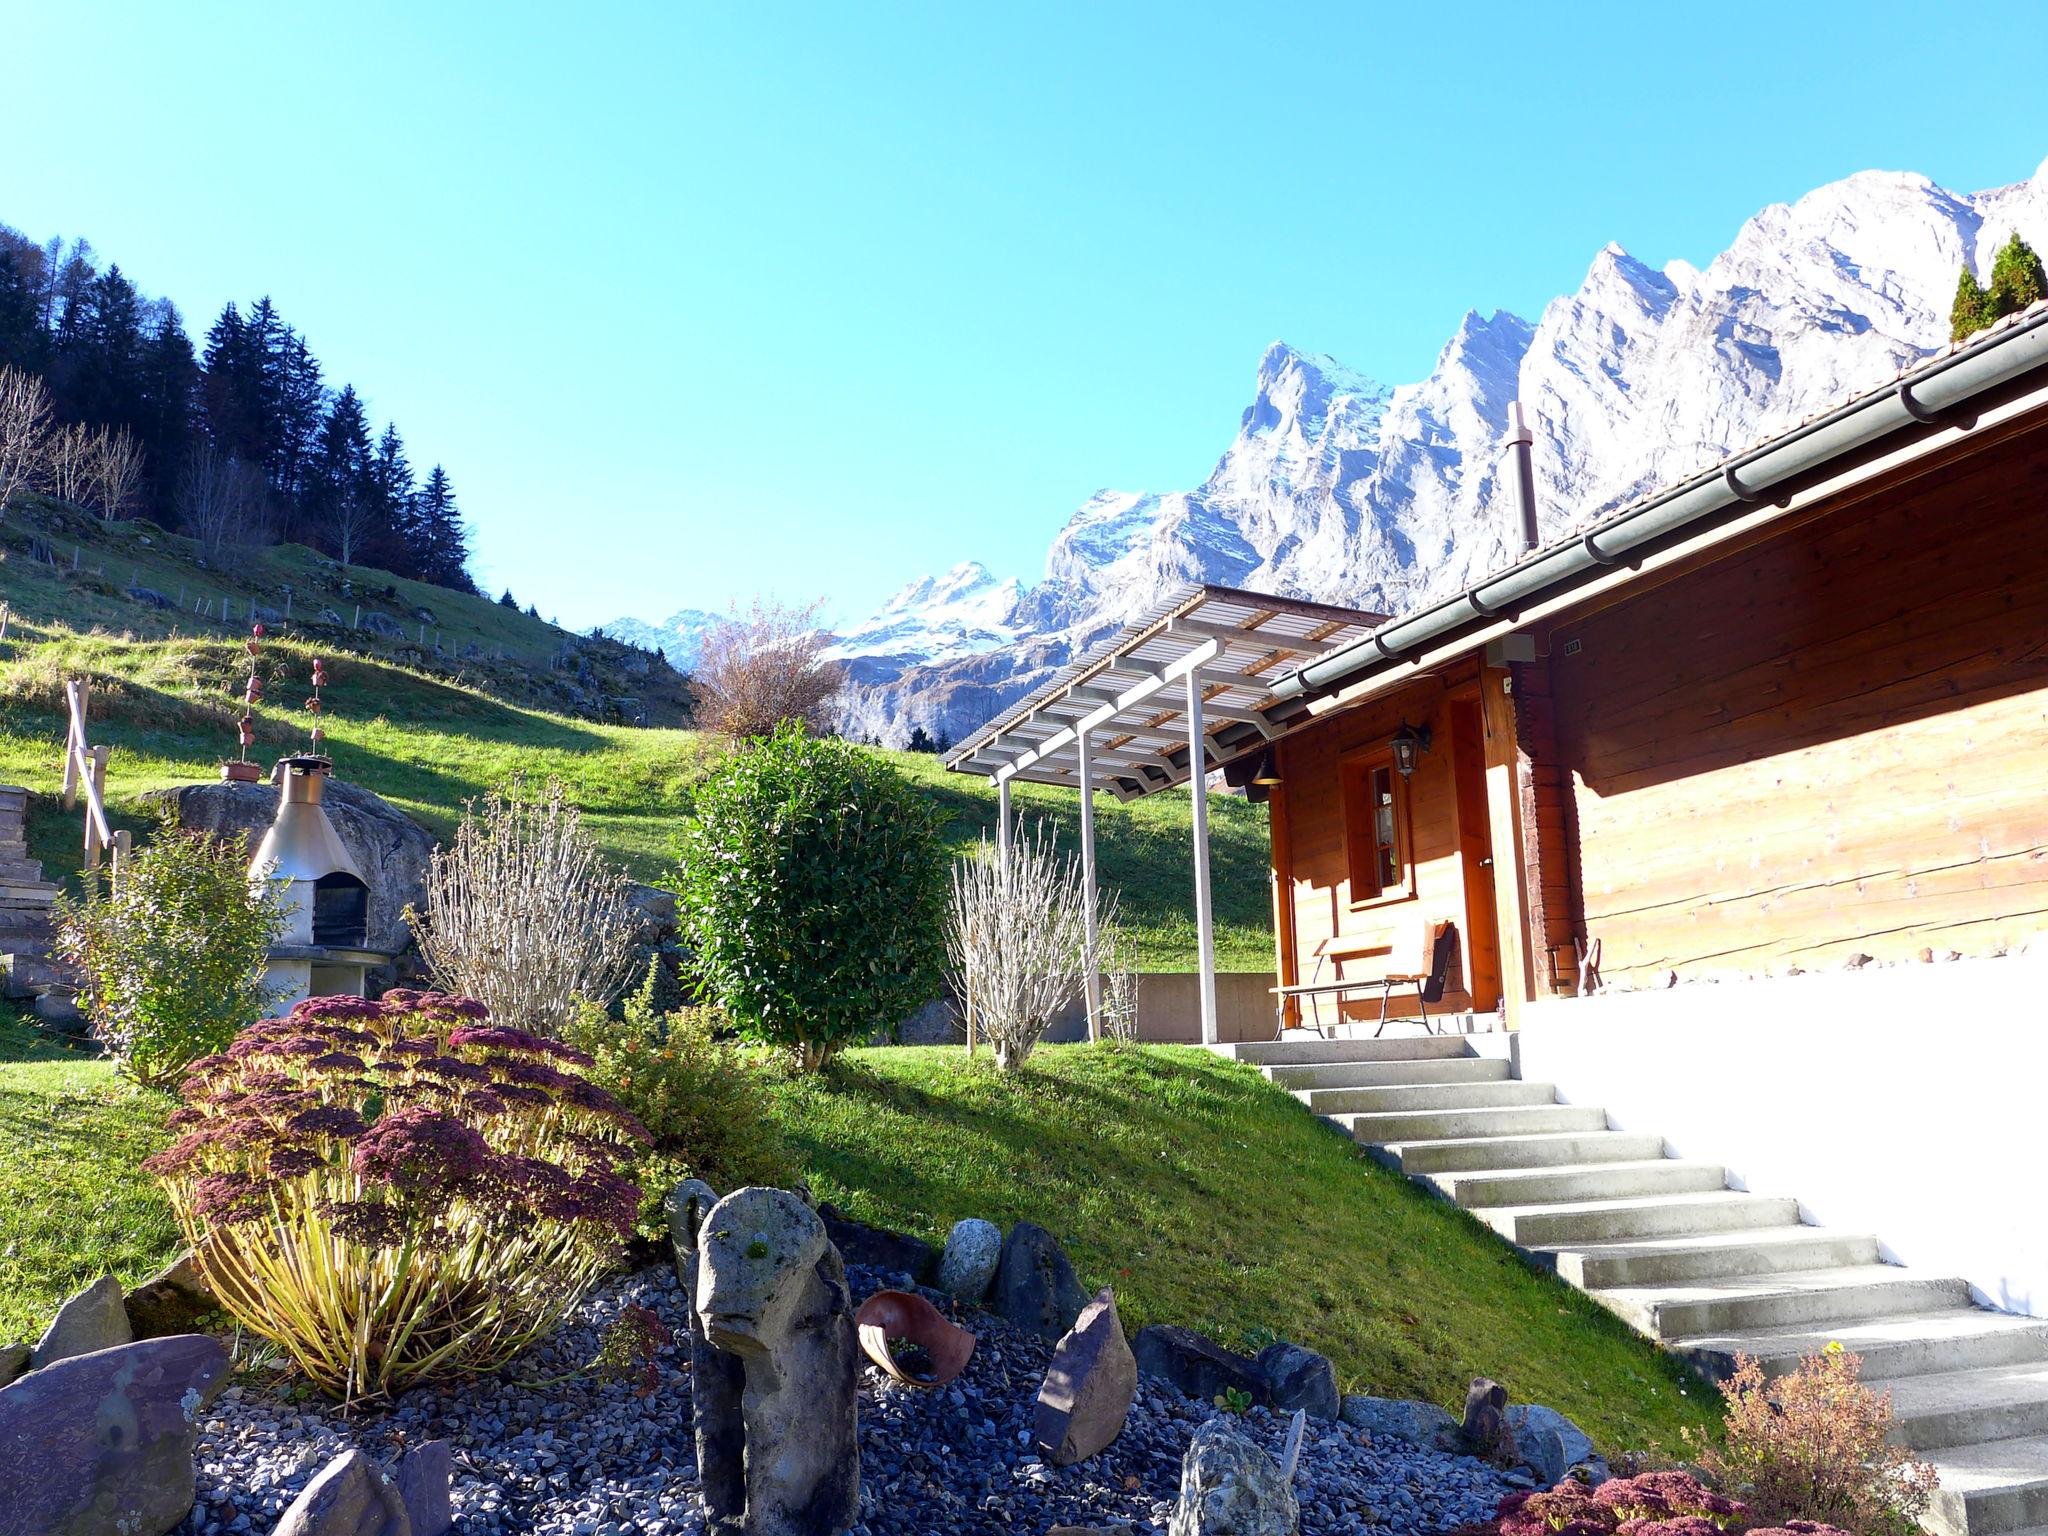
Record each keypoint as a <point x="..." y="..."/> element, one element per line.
<point x="443" y="544"/>
<point x="2016" y="279"/>
<point x="169" y="386"/>
<point x="1971" y="309"/>
<point x="507" y="600"/>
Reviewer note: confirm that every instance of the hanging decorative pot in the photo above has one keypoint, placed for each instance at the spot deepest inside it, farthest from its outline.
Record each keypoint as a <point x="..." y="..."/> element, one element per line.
<point x="911" y="1339"/>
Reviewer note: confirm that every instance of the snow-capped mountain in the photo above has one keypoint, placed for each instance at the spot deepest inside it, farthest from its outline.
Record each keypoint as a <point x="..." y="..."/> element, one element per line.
<point x="679" y="636"/>
<point x="1340" y="488"/>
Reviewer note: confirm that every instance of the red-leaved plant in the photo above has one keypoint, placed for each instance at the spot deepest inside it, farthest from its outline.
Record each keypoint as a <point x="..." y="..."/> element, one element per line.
<point x="398" y="1191"/>
<point x="1652" y="1504"/>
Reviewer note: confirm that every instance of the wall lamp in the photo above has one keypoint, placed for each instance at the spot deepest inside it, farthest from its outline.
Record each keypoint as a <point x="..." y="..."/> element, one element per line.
<point x="1409" y="744"/>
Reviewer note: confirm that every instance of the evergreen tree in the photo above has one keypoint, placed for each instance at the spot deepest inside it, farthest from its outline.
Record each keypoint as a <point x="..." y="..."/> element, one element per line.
<point x="399" y="545"/>
<point x="1971" y="310"/>
<point x="342" y="507"/>
<point x="920" y="740"/>
<point x="22" y="342"/>
<point x="2016" y="279"/>
<point x="507" y="600"/>
<point x="232" y="389"/>
<point x="168" y="386"/>
<point x="440" y="539"/>
<point x="95" y="371"/>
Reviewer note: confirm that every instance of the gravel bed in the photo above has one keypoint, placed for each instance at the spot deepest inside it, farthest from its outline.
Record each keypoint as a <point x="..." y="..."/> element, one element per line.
<point x="582" y="1458"/>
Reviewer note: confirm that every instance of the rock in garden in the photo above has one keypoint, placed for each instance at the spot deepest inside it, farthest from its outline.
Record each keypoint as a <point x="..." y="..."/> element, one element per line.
<point x="771" y="1290"/>
<point x="686" y="1207"/>
<point x="13" y="1361"/>
<point x="1088" y="1388"/>
<point x="1422" y="1424"/>
<point x="1548" y="1443"/>
<point x="1229" y="1487"/>
<point x="718" y="1378"/>
<point x="92" y="1320"/>
<point x="973" y="1249"/>
<point x="1204" y="1371"/>
<point x="1036" y="1289"/>
<point x="876" y="1247"/>
<point x="1299" y="1378"/>
<point x="171" y="1300"/>
<point x="1485" y="1427"/>
<point x="425" y="1480"/>
<point x="348" y="1498"/>
<point x="103" y="1442"/>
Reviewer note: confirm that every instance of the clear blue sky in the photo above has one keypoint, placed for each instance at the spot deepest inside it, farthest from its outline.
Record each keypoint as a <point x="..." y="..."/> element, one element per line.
<point x="700" y="301"/>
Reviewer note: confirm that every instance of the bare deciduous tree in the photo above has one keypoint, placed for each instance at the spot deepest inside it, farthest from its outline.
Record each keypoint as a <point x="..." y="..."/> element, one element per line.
<point x="763" y="666"/>
<point x="113" y="472"/>
<point x="220" y="498"/>
<point x="1016" y="940"/>
<point x="525" y="915"/>
<point x="67" y="458"/>
<point x="24" y="432"/>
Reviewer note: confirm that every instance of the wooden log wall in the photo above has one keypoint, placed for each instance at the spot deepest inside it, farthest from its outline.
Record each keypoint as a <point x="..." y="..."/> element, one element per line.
<point x="1832" y="744"/>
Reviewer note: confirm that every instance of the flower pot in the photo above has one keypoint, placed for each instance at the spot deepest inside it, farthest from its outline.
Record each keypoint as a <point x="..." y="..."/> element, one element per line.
<point x="902" y="1315"/>
<point x="240" y="773"/>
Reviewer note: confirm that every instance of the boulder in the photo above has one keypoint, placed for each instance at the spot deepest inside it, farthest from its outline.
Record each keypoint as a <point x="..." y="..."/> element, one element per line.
<point x="390" y="848"/>
<point x="1036" y="1288"/>
<point x="1229" y="1487"/>
<point x="1422" y="1424"/>
<point x="171" y="1300"/>
<point x="348" y="1498"/>
<point x="1088" y="1388"/>
<point x="103" y="1442"/>
<point x="1300" y="1378"/>
<point x="1549" y="1444"/>
<point x="876" y="1247"/>
<point x="149" y="597"/>
<point x="973" y="1249"/>
<point x="1202" y="1370"/>
<point x="13" y="1361"/>
<point x="384" y="625"/>
<point x="90" y="1321"/>
<point x="425" y="1477"/>
<point x="1484" y="1429"/>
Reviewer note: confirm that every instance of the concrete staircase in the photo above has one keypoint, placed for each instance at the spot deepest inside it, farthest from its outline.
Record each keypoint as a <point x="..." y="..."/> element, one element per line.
<point x="1706" y="1270"/>
<point x="28" y="973"/>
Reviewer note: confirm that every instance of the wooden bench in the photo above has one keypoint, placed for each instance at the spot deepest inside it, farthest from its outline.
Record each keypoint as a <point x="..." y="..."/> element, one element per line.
<point x="1436" y="940"/>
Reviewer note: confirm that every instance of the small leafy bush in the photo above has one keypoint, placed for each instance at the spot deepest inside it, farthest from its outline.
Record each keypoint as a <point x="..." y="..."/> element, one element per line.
<point x="172" y="958"/>
<point x="706" y="1106"/>
<point x="811" y="889"/>
<point x="1812" y="1446"/>
<point x="398" y="1191"/>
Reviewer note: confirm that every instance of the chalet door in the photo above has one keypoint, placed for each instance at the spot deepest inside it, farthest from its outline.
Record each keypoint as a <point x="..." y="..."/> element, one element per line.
<point x="1480" y="932"/>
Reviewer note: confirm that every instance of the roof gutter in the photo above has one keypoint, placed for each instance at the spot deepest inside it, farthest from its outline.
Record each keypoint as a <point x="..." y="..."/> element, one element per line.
<point x="2000" y="357"/>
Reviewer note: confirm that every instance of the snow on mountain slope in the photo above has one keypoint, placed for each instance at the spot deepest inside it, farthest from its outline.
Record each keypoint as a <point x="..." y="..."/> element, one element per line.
<point x="679" y="636"/>
<point x="1340" y="488"/>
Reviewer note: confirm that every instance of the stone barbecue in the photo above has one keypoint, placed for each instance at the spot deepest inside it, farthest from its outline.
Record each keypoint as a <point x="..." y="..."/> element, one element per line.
<point x="324" y="948"/>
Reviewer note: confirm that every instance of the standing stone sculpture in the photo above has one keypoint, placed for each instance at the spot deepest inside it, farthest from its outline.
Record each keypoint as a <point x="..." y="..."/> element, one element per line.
<point x="1089" y="1387"/>
<point x="771" y="1293"/>
<point x="717" y="1378"/>
<point x="1229" y="1487"/>
<point x="1485" y="1429"/>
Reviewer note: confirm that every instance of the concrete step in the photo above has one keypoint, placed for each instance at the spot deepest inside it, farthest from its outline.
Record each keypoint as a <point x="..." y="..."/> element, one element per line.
<point x="1891" y="1347"/>
<point x="1955" y="1408"/>
<point x="21" y="871"/>
<point x="1457" y="1124"/>
<point x="1999" y="1488"/>
<point x="1585" y="1181"/>
<point x="1812" y="1298"/>
<point x="1339" y="1101"/>
<point x="1599" y="1221"/>
<point x="26" y="975"/>
<point x="1382" y="1074"/>
<point x="1295" y="1052"/>
<point x="1700" y="1256"/>
<point x="28" y="892"/>
<point x="1548" y="1150"/>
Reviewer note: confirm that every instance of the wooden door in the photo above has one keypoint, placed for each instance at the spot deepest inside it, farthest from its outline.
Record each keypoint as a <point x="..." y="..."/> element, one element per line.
<point x="1480" y="931"/>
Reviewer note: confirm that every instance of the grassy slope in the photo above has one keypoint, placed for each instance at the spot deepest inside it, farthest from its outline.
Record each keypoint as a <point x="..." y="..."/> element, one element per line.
<point x="1199" y="1191"/>
<point x="168" y="707"/>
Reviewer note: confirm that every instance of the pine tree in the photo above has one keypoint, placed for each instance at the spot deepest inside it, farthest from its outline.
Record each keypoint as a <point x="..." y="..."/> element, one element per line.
<point x="400" y="545"/>
<point x="2016" y="280"/>
<point x="1971" y="310"/>
<point x="442" y="542"/>
<point x="342" y="506"/>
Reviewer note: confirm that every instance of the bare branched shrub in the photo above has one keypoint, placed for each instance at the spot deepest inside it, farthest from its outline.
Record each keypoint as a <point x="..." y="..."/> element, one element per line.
<point x="220" y="499"/>
<point x="67" y="456"/>
<point x="525" y="915"/>
<point x="1119" y="958"/>
<point x="24" y="432"/>
<point x="1016" y="940"/>
<point x="113" y="473"/>
<point x="764" y="666"/>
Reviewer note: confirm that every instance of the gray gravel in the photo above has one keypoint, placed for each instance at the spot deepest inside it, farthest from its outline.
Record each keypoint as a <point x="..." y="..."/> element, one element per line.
<point x="586" y="1459"/>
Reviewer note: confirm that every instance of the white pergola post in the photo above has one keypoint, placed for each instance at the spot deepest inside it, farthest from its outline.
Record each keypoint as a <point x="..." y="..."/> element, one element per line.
<point x="1090" y="960"/>
<point x="1198" y="799"/>
<point x="1003" y="818"/>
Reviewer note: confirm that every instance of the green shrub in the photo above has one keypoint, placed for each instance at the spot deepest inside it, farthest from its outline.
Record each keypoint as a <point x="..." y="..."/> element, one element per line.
<point x="812" y="890"/>
<point x="707" y="1107"/>
<point x="2016" y="279"/>
<point x="1971" y="310"/>
<point x="172" y="957"/>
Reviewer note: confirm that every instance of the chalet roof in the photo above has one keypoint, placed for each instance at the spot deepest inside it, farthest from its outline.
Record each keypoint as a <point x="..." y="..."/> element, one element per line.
<point x="1131" y="691"/>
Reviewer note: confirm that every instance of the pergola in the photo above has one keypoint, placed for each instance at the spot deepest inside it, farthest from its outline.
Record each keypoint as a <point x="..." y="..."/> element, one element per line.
<point x="1188" y="683"/>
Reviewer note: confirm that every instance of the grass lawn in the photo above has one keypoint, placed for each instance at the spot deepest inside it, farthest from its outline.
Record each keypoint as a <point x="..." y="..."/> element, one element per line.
<point x="1206" y="1197"/>
<point x="72" y="1202"/>
<point x="168" y="708"/>
<point x="1198" y="1190"/>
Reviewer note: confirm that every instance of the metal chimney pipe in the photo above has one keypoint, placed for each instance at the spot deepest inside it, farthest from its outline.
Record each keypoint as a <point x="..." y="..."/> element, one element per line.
<point x="1522" y="473"/>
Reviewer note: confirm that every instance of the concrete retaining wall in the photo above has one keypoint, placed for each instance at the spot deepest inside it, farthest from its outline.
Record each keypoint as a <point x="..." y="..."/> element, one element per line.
<point x="1169" y="1009"/>
<point x="1905" y="1101"/>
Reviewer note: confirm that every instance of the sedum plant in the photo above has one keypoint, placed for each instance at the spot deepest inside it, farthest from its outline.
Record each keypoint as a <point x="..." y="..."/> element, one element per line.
<point x="398" y="1191"/>
<point x="1651" y="1504"/>
<point x="171" y="957"/>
